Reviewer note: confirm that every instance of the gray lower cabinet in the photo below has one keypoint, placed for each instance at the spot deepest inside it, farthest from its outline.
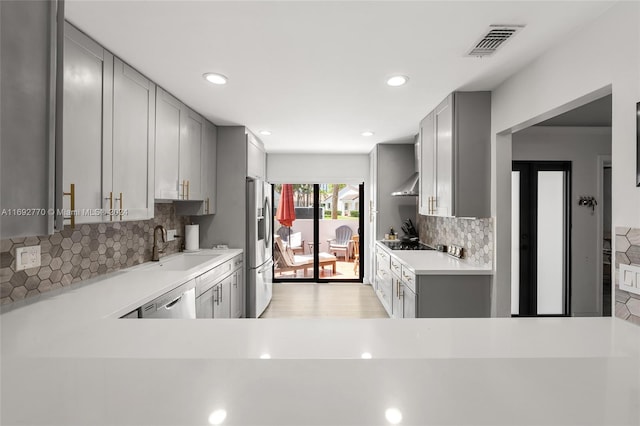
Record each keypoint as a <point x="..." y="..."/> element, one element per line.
<point x="222" y="298"/>
<point x="384" y="280"/>
<point x="220" y="291"/>
<point x="409" y="302"/>
<point x="404" y="294"/>
<point x="237" y="288"/>
<point x="204" y="303"/>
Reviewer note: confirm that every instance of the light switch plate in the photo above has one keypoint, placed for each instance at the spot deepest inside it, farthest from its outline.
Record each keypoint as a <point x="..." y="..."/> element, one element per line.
<point x="171" y="234"/>
<point x="629" y="278"/>
<point x="27" y="257"/>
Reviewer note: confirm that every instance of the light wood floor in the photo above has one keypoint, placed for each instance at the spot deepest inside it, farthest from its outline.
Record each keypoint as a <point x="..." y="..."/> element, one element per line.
<point x="344" y="270"/>
<point x="326" y="300"/>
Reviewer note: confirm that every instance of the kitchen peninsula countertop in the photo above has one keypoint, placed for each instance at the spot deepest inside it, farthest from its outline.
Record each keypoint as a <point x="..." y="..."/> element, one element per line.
<point x="66" y="361"/>
<point x="432" y="262"/>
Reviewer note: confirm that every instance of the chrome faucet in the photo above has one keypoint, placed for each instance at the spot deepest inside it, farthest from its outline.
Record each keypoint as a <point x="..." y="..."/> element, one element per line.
<point x="156" y="252"/>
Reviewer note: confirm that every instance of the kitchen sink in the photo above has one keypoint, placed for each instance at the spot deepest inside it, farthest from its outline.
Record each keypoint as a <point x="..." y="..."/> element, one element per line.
<point x="182" y="263"/>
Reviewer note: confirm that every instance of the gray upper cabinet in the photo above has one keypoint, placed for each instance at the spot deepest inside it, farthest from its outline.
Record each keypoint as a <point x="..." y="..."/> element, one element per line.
<point x="191" y="141"/>
<point x="455" y="146"/>
<point x="132" y="173"/>
<point x="181" y="144"/>
<point x="209" y="156"/>
<point x="27" y="123"/>
<point x="168" y="117"/>
<point x="87" y="108"/>
<point x="256" y="158"/>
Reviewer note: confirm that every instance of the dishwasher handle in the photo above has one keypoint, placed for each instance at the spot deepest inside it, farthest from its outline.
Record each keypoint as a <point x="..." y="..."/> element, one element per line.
<point x="173" y="302"/>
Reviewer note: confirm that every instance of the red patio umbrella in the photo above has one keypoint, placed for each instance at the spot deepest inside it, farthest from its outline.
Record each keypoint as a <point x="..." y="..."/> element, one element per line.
<point x="286" y="210"/>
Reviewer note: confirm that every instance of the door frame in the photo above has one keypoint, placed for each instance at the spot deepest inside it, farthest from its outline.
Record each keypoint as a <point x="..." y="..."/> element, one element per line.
<point x="603" y="162"/>
<point x="316" y="237"/>
<point x="528" y="302"/>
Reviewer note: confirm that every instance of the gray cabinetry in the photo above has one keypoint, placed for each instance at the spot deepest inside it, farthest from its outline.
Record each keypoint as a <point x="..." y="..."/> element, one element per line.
<point x="180" y="147"/>
<point x="87" y="109"/>
<point x="220" y="291"/>
<point x="169" y="112"/>
<point x="237" y="287"/>
<point x="405" y="294"/>
<point x="132" y="151"/>
<point x="384" y="280"/>
<point x="455" y="148"/>
<point x="28" y="123"/>
<point x="390" y="166"/>
<point x="256" y="158"/>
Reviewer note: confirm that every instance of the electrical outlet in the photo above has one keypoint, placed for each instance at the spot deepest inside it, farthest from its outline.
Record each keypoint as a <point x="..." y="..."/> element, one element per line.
<point x="27" y="257"/>
<point x="171" y="234"/>
<point x="629" y="278"/>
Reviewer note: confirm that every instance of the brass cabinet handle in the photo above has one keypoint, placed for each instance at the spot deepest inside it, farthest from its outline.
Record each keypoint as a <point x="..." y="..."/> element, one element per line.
<point x="121" y="206"/>
<point x="187" y="190"/>
<point x="110" y="198"/>
<point x="72" y="195"/>
<point x="181" y="195"/>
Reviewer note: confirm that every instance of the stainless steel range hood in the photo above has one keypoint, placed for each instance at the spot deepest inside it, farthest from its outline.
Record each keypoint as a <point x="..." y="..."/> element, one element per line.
<point x="409" y="188"/>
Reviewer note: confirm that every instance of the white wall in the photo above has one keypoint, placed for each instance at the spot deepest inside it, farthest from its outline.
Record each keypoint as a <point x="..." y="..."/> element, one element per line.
<point x="317" y="168"/>
<point x="581" y="146"/>
<point x="604" y="54"/>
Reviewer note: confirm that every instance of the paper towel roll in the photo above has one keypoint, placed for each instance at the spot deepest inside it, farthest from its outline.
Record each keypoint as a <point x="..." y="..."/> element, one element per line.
<point x="192" y="237"/>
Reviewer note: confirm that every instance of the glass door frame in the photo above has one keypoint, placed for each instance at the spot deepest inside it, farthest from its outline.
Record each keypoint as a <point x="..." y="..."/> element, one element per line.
<point x="528" y="306"/>
<point x="316" y="246"/>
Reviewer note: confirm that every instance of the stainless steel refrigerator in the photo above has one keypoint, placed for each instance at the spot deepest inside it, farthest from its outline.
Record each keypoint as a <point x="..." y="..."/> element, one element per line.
<point x="259" y="247"/>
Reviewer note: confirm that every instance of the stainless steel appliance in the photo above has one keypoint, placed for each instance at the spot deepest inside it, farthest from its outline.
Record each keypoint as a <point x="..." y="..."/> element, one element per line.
<point x="177" y="303"/>
<point x="259" y="247"/>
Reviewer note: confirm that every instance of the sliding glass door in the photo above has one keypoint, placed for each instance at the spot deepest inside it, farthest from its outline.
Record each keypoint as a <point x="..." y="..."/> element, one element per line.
<point x="317" y="232"/>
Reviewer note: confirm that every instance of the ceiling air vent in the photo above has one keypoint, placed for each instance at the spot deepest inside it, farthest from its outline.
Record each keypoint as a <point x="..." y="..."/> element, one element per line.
<point x="495" y="37"/>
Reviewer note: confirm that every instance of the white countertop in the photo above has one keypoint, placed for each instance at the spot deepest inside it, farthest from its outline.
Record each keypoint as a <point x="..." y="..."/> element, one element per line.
<point x="68" y="360"/>
<point x="432" y="262"/>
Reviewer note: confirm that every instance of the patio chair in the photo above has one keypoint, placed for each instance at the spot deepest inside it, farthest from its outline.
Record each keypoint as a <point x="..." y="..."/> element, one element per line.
<point x="356" y="253"/>
<point x="286" y="260"/>
<point x="341" y="242"/>
<point x="296" y="243"/>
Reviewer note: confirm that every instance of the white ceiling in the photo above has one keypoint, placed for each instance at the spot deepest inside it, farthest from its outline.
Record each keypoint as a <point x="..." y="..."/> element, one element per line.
<point x="313" y="73"/>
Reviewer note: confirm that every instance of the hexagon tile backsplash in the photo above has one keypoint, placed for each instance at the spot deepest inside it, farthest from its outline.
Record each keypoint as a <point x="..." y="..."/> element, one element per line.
<point x="627" y="252"/>
<point x="474" y="235"/>
<point x="73" y="255"/>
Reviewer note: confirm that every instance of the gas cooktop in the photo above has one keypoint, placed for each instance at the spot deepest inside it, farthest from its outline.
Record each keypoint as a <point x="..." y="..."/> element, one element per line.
<point x="406" y="245"/>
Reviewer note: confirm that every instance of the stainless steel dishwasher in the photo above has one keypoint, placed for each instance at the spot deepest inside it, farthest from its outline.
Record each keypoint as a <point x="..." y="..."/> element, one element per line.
<point x="177" y="303"/>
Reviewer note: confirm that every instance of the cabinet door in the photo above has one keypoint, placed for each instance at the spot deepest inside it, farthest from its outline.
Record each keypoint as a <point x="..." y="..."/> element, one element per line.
<point x="237" y="294"/>
<point x="192" y="134"/>
<point x="222" y="296"/>
<point x="88" y="73"/>
<point x="168" y="116"/>
<point x="427" y="164"/>
<point x="397" y="298"/>
<point x="256" y="158"/>
<point x="209" y="156"/>
<point x="409" y="300"/>
<point x="133" y="143"/>
<point x="444" y="157"/>
<point x="204" y="304"/>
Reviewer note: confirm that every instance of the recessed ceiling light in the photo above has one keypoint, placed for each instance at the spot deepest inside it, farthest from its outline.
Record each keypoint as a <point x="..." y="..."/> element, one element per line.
<point x="215" y="78"/>
<point x="397" y="80"/>
<point x="367" y="133"/>
<point x="217" y="417"/>
<point x="393" y="416"/>
<point x="265" y="356"/>
<point x="366" y="355"/>
<point x="265" y="132"/>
